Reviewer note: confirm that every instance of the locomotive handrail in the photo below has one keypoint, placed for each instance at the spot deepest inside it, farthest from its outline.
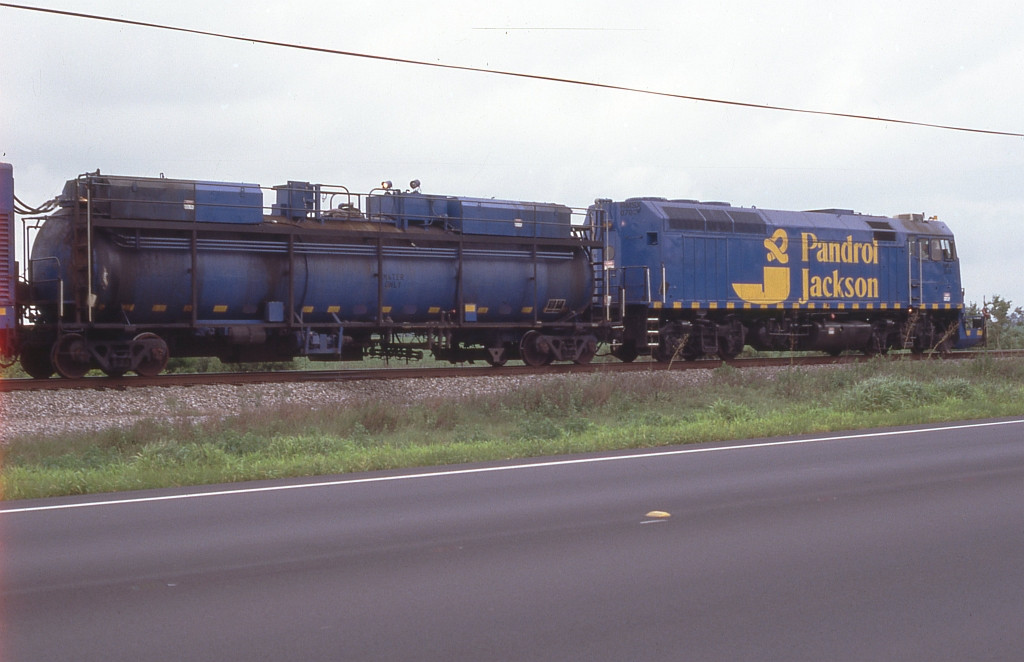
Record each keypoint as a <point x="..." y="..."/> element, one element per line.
<point x="330" y="195"/>
<point x="647" y="279"/>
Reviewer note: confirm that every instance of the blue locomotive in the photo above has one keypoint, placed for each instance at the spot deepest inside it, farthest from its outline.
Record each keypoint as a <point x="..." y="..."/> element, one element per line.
<point x="128" y="271"/>
<point x="694" y="278"/>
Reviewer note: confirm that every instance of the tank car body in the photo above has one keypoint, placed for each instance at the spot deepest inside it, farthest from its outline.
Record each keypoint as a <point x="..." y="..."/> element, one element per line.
<point x="687" y="278"/>
<point x="131" y="270"/>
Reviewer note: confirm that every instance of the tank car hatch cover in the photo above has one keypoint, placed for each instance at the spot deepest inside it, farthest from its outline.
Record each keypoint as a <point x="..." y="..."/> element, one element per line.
<point x="405" y="209"/>
<point x="514" y="218"/>
<point x="223" y="202"/>
<point x="146" y="198"/>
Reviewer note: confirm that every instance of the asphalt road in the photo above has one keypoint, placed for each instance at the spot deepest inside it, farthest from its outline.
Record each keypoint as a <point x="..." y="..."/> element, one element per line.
<point x="877" y="546"/>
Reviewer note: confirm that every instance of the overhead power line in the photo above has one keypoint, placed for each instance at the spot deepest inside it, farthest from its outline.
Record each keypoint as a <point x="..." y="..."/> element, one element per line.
<point x="498" y="72"/>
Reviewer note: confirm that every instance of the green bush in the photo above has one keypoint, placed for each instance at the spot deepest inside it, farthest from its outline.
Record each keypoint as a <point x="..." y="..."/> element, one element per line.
<point x="883" y="393"/>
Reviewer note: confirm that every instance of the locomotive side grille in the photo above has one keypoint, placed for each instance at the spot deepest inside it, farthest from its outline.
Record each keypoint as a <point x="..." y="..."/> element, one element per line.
<point x="714" y="220"/>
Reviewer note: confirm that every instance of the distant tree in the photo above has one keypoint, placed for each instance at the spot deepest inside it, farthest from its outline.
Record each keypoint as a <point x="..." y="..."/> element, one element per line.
<point x="1005" y="323"/>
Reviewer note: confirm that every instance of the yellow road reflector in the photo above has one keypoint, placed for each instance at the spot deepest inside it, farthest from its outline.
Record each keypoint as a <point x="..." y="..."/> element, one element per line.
<point x="659" y="514"/>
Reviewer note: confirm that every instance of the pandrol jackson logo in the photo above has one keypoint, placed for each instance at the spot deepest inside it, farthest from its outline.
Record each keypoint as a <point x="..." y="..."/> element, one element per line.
<point x="775" y="287"/>
<point x="776" y="284"/>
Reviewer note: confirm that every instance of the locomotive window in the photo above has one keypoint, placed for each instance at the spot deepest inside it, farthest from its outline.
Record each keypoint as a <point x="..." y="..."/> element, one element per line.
<point x="652" y="238"/>
<point x="684" y="218"/>
<point x="942" y="250"/>
<point x="748" y="221"/>
<point x="718" y="220"/>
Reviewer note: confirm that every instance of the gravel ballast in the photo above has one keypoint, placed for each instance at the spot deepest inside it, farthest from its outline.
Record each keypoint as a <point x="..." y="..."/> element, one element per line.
<point x="60" y="411"/>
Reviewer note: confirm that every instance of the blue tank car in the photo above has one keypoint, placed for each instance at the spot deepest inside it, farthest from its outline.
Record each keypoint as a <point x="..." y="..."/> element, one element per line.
<point x="692" y="278"/>
<point x="133" y="270"/>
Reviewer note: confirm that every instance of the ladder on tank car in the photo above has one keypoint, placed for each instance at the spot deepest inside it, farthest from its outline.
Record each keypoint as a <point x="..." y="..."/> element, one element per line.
<point x="594" y="233"/>
<point x="81" y="250"/>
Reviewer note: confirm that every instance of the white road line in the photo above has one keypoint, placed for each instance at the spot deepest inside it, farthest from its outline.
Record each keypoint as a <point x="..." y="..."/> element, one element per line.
<point x="511" y="467"/>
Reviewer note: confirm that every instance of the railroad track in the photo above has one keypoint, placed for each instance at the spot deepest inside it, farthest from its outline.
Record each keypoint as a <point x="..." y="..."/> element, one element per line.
<point x="294" y="376"/>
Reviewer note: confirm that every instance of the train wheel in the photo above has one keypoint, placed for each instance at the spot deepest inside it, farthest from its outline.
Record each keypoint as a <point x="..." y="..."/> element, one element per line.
<point x="70" y="356"/>
<point x="587" y="353"/>
<point x="534" y="350"/>
<point x="36" y="362"/>
<point x="154" y="354"/>
<point x="497" y="356"/>
<point x="729" y="348"/>
<point x="670" y="347"/>
<point x="730" y="343"/>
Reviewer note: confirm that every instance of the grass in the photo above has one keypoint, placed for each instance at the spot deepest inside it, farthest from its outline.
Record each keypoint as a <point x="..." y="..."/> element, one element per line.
<point x="567" y="414"/>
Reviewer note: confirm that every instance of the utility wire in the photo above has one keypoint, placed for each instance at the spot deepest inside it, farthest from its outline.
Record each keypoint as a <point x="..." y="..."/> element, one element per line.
<point x="498" y="72"/>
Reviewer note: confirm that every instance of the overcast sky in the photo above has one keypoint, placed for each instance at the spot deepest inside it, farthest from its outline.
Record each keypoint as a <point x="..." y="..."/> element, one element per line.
<point x="77" y="95"/>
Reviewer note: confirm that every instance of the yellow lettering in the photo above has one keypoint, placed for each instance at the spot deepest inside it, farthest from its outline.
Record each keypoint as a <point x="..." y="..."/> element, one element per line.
<point x="807" y="240"/>
<point x="846" y="251"/>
